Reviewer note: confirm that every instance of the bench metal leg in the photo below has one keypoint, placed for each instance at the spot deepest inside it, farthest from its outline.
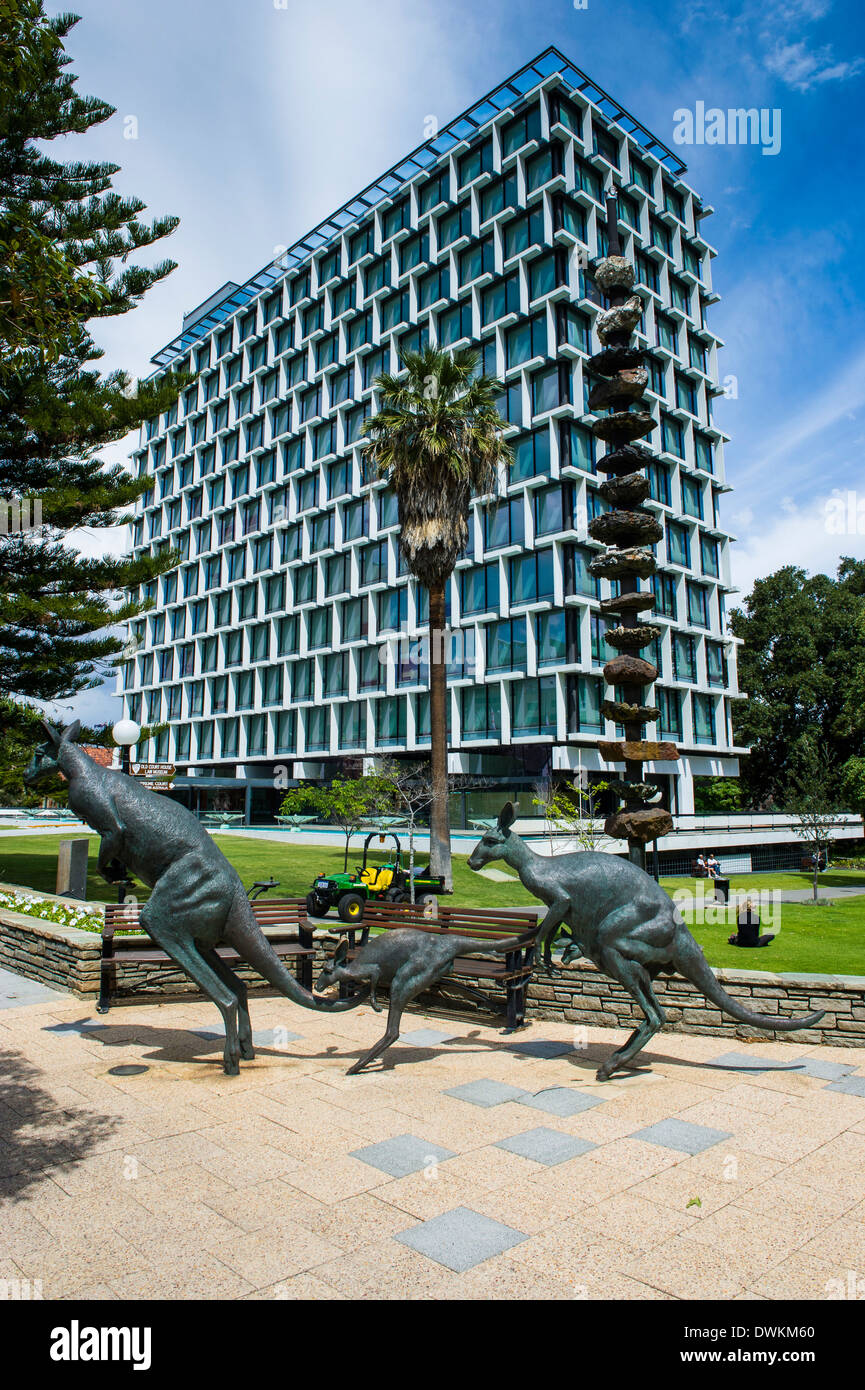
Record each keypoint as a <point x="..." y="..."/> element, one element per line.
<point x="304" y="968"/>
<point x="107" y="969"/>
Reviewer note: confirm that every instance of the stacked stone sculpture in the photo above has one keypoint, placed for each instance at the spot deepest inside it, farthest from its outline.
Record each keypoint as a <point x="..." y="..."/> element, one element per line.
<point x="629" y="530"/>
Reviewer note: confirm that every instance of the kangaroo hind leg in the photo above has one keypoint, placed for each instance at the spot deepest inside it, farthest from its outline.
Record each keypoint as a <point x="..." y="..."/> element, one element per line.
<point x="160" y="920"/>
<point x="405" y="985"/>
<point x="241" y="994"/>
<point x="638" y="983"/>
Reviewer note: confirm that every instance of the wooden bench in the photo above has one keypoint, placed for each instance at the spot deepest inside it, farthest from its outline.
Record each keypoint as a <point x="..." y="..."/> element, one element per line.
<point x="284" y="920"/>
<point x="513" y="970"/>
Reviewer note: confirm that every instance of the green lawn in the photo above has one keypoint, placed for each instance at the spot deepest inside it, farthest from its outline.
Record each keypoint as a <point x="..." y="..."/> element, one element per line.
<point x="829" y="940"/>
<point x="780" y="879"/>
<point x="826" y="940"/>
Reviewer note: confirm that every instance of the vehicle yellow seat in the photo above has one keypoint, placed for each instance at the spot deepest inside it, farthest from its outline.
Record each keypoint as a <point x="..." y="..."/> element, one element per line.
<point x="377" y="880"/>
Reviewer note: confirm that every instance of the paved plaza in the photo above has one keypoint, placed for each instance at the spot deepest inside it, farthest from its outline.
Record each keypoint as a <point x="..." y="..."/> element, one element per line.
<point x="469" y="1164"/>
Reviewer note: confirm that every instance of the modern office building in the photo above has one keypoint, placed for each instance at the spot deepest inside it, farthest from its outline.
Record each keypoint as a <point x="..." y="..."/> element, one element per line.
<point x="274" y="643"/>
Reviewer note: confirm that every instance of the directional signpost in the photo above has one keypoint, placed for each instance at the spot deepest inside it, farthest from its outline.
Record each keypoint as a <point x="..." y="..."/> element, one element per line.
<point x="158" y="777"/>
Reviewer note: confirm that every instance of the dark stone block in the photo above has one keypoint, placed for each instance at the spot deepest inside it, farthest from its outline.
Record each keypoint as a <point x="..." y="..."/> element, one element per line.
<point x="632" y="639"/>
<point x="630" y="670"/>
<point x="626" y="528"/>
<point x="628" y="490"/>
<point x="648" y="824"/>
<point x="615" y="359"/>
<point x="624" y="425"/>
<point x="616" y="564"/>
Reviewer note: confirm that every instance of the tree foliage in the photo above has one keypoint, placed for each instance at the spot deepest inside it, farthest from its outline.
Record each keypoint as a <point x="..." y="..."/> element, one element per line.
<point x="813" y="797"/>
<point x="66" y="243"/>
<point x="717" y="796"/>
<point x="437" y="439"/>
<point x="348" y="802"/>
<point x="801" y="662"/>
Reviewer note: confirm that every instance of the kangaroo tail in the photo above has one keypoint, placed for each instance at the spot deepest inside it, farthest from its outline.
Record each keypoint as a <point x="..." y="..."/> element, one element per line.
<point x="690" y="962"/>
<point x="244" y="934"/>
<point x="472" y="946"/>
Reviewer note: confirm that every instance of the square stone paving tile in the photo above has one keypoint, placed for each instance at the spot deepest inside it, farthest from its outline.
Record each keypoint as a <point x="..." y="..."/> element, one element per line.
<point x="825" y="1071"/>
<point x="848" y="1085"/>
<point x="681" y="1135"/>
<point x="461" y="1239"/>
<point x="486" y="1093"/>
<point x="275" y="1037"/>
<point x="688" y="1270"/>
<point x="541" y="1047"/>
<point x="547" y="1146"/>
<point x="748" y="1061"/>
<point x="426" y="1037"/>
<point x="402" y="1155"/>
<point x="79" y="1026"/>
<point x="562" y="1101"/>
<point x="571" y="1251"/>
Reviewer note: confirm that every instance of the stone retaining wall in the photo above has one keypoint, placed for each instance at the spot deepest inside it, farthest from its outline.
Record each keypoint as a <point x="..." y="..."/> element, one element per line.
<point x="581" y="995"/>
<point x="68" y="958"/>
<point x="61" y="957"/>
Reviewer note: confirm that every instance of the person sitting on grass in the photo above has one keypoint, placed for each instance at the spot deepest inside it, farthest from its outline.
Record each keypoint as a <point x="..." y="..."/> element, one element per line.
<point x="748" y="923"/>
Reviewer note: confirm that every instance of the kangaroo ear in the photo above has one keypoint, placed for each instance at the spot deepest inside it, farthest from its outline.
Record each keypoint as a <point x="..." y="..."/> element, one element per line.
<point x="341" y="952"/>
<point x="71" y="734"/>
<point x="53" y="735"/>
<point x="507" y="816"/>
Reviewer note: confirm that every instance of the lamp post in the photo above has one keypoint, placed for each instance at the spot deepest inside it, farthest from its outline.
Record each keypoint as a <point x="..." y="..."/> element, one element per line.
<point x="125" y="733"/>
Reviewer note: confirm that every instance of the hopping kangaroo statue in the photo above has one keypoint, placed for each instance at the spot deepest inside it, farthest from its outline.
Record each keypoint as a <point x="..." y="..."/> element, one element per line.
<point x="407" y="960"/>
<point x="197" y="901"/>
<point x="622" y="921"/>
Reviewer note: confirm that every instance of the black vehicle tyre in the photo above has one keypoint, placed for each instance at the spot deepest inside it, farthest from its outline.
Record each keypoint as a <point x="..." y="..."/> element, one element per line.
<point x="350" y="908"/>
<point x="315" y="906"/>
<point x="427" y="901"/>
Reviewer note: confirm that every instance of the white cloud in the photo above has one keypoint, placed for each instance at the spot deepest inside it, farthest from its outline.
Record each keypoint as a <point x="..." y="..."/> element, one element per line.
<point x="795" y="535"/>
<point x="802" y="67"/>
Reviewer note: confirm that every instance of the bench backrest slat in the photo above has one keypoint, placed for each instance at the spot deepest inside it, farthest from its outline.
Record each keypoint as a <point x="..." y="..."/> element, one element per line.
<point x="274" y="912"/>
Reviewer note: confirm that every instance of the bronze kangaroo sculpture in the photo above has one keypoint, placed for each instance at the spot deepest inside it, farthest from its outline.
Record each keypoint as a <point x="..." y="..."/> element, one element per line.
<point x="197" y="900"/>
<point x="407" y="960"/>
<point x="622" y="921"/>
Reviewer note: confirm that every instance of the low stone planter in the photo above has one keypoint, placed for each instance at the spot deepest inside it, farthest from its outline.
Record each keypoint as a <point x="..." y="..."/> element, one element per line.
<point x="61" y="957"/>
<point x="68" y="958"/>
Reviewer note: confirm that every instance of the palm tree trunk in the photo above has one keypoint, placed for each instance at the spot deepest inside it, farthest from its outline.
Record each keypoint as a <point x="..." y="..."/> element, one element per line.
<point x="440" y="831"/>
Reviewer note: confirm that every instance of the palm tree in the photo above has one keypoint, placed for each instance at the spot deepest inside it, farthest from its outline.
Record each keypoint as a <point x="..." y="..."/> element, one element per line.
<point x="437" y="438"/>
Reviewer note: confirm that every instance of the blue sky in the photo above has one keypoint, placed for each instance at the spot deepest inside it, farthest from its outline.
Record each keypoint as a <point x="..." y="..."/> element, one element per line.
<point x="257" y="118"/>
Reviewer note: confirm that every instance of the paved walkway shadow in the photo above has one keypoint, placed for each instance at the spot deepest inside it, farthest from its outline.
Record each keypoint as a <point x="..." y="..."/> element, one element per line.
<point x="36" y="1133"/>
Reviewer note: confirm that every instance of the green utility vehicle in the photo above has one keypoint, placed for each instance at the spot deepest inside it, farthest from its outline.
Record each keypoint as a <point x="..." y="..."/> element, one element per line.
<point x="387" y="882"/>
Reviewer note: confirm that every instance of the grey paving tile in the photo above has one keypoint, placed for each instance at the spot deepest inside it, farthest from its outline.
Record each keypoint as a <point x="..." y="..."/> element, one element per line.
<point x="275" y="1037"/>
<point x="460" y="1239"/>
<point x="18" y="990"/>
<point x="826" y="1071"/>
<point x="426" y="1037"/>
<point x="541" y="1047"/>
<point x="749" y="1061"/>
<point x="548" y="1146"/>
<point x="403" y="1155"/>
<point x="81" y="1025"/>
<point x="849" y="1085"/>
<point x="486" y="1093"/>
<point x="562" y="1100"/>
<point x="681" y="1135"/>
